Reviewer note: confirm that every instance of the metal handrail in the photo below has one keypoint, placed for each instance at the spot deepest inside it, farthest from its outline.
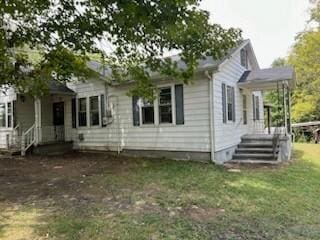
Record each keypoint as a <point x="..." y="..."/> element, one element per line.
<point x="276" y="140"/>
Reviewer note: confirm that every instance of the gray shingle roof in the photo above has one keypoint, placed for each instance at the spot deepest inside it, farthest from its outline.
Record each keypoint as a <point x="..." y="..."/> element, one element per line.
<point x="60" y="88"/>
<point x="267" y="75"/>
<point x="207" y="62"/>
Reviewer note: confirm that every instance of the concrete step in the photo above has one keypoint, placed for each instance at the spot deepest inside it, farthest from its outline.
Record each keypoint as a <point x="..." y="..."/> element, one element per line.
<point x="257" y="137"/>
<point x="254" y="150"/>
<point x="267" y="139"/>
<point x="10" y="152"/>
<point x="255" y="145"/>
<point x="54" y="148"/>
<point x="253" y="161"/>
<point x="254" y="156"/>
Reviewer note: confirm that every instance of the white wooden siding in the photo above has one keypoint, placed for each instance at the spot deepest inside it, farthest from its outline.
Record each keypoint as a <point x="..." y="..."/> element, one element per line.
<point x="192" y="136"/>
<point x="229" y="134"/>
<point x="7" y="96"/>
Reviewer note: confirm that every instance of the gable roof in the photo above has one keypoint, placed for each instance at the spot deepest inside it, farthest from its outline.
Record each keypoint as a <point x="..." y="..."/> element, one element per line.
<point x="60" y="88"/>
<point x="208" y="63"/>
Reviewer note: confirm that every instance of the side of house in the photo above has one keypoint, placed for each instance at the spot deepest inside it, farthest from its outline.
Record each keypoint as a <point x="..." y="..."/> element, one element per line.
<point x="175" y="125"/>
<point x="236" y="111"/>
<point x="153" y="128"/>
<point x="203" y="120"/>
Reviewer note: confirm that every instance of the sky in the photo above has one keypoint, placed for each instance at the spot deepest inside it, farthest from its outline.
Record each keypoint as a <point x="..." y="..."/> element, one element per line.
<point x="271" y="25"/>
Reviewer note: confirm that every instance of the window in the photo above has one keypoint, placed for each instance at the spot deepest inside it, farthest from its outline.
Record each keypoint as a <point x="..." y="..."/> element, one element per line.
<point x="244" y="106"/>
<point x="2" y="115"/>
<point x="94" y="111"/>
<point x="9" y="114"/>
<point x="162" y="110"/>
<point x="257" y="108"/>
<point x="147" y="110"/>
<point x="82" y="113"/>
<point x="244" y="58"/>
<point x="165" y="106"/>
<point x="230" y="103"/>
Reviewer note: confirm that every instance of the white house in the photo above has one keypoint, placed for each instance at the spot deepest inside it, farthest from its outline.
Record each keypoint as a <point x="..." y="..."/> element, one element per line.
<point x="218" y="117"/>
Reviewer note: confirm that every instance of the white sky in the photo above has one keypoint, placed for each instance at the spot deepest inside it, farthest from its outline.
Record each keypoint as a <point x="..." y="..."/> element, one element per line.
<point x="271" y="25"/>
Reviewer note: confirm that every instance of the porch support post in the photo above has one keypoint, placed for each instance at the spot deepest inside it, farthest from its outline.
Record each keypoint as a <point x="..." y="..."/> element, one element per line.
<point x="285" y="109"/>
<point x="37" y="112"/>
<point x="289" y="111"/>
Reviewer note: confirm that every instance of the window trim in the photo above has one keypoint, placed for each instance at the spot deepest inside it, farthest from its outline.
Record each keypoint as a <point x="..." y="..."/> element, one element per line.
<point x="5" y="115"/>
<point x="257" y="107"/>
<point x="171" y="104"/>
<point x="6" y="124"/>
<point x="156" y="109"/>
<point x="99" y="111"/>
<point x="78" y="111"/>
<point x="244" y="54"/>
<point x="233" y="112"/>
<point x="141" y="106"/>
<point x="11" y="115"/>
<point x="244" y="109"/>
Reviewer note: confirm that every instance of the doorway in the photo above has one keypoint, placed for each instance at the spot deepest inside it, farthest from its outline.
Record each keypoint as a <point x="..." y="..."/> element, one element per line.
<point x="58" y="121"/>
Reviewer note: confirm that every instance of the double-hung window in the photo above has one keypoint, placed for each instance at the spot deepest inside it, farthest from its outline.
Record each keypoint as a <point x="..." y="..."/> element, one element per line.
<point x="165" y="105"/>
<point x="2" y="115"/>
<point x="9" y="114"/>
<point x="168" y="108"/>
<point x="229" y="103"/>
<point x="257" y="108"/>
<point x="244" y="109"/>
<point x="147" y="110"/>
<point x="94" y="111"/>
<point x="82" y="112"/>
<point x="244" y="58"/>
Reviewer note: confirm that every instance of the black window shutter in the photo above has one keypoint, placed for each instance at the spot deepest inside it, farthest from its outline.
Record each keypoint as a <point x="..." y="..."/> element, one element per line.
<point x="233" y="105"/>
<point x="135" y="111"/>
<point x="103" y="110"/>
<point x="74" y="112"/>
<point x="179" y="104"/>
<point x="253" y="107"/>
<point x="224" y="113"/>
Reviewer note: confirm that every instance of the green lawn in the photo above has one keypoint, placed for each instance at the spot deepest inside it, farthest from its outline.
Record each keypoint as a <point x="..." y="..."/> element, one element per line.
<point x="99" y="197"/>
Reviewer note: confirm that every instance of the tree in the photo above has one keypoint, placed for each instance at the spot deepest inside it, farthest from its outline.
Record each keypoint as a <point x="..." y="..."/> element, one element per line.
<point x="64" y="32"/>
<point x="274" y="97"/>
<point x="305" y="57"/>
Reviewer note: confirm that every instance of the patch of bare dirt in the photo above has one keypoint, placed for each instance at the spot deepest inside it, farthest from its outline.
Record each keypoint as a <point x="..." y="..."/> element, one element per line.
<point x="203" y="214"/>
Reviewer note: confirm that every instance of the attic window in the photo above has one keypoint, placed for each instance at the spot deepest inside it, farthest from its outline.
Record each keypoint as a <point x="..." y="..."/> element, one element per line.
<point x="244" y="58"/>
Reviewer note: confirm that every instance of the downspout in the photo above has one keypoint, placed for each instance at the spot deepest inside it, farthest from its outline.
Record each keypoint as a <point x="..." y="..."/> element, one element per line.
<point x="117" y="110"/>
<point x="211" y="116"/>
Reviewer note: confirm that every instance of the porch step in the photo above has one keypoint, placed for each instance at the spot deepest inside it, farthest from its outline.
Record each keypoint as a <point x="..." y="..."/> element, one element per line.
<point x="54" y="148"/>
<point x="10" y="152"/>
<point x="257" y="137"/>
<point x="262" y="139"/>
<point x="255" y="145"/>
<point x="254" y="161"/>
<point x="253" y="156"/>
<point x="254" y="150"/>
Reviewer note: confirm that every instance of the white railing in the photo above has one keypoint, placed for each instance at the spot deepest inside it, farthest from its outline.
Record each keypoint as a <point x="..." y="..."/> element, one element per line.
<point x="28" y="139"/>
<point x="15" y="137"/>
